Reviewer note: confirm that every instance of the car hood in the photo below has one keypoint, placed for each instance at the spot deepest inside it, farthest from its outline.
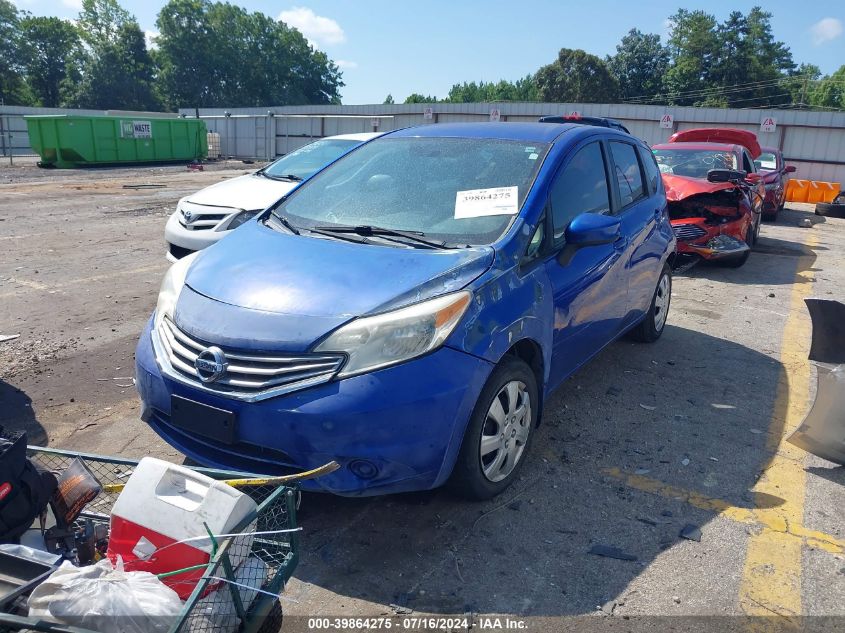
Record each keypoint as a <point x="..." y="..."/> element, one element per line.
<point x="282" y="290"/>
<point x="681" y="187"/>
<point x="248" y="192"/>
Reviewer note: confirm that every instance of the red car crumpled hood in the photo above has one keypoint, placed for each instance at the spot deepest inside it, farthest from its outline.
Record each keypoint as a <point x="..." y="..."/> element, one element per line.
<point x="680" y="187"/>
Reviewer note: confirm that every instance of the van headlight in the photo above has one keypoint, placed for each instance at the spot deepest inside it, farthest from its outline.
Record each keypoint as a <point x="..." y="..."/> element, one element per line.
<point x="171" y="286"/>
<point x="394" y="337"/>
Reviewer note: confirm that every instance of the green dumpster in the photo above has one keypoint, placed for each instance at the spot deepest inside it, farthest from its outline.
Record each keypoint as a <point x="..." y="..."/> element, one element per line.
<point x="69" y="140"/>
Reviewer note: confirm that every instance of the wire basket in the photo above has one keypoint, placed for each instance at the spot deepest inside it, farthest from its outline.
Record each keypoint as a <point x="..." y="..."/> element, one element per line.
<point x="224" y="599"/>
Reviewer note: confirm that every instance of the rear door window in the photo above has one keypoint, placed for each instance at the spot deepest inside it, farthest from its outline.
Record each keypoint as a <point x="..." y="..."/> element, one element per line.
<point x="652" y="171"/>
<point x="581" y="187"/>
<point x="628" y="174"/>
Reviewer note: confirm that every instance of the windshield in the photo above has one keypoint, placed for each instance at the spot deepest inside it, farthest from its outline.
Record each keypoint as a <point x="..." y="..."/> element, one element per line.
<point x="459" y="190"/>
<point x="305" y="161"/>
<point x="767" y="160"/>
<point x="694" y="163"/>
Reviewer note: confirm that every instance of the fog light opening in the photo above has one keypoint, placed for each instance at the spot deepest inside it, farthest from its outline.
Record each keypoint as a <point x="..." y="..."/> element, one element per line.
<point x="363" y="469"/>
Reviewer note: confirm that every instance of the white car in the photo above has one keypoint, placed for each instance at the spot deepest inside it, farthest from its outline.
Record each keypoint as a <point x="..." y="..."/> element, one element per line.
<point x="206" y="216"/>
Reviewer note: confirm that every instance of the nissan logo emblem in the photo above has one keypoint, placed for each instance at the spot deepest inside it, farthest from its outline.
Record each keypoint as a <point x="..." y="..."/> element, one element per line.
<point x="211" y="364"/>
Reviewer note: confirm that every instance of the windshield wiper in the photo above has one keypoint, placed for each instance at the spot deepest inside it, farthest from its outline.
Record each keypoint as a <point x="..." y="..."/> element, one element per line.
<point x="285" y="222"/>
<point x="291" y="177"/>
<point x="418" y="237"/>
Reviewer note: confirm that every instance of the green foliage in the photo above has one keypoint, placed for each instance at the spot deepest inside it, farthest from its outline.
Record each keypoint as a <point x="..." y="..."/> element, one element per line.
<point x="693" y="43"/>
<point x="100" y="21"/>
<point x="830" y="91"/>
<point x="119" y="75"/>
<point x="50" y="57"/>
<point x="639" y="64"/>
<point x="576" y="77"/>
<point x="418" y="98"/>
<point x="217" y="54"/>
<point x="13" y="89"/>
<point x="522" y="90"/>
<point x="388" y="100"/>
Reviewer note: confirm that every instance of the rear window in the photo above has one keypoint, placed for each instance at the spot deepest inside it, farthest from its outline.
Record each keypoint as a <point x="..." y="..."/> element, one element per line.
<point x="628" y="173"/>
<point x="652" y="172"/>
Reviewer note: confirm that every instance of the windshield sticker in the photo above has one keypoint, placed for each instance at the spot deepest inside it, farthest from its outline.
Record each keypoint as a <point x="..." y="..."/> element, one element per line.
<point x="530" y="149"/>
<point x="476" y="203"/>
<point x="533" y="156"/>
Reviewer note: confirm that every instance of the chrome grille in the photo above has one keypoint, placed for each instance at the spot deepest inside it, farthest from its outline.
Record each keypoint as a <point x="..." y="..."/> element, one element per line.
<point x="688" y="232"/>
<point x="248" y="376"/>
<point x="203" y="217"/>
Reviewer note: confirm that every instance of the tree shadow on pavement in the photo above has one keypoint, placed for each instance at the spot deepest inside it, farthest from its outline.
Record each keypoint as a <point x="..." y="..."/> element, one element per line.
<point x="692" y="411"/>
<point x="16" y="413"/>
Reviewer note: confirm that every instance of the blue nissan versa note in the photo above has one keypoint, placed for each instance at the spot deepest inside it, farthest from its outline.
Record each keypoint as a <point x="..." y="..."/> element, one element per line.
<point x="407" y="310"/>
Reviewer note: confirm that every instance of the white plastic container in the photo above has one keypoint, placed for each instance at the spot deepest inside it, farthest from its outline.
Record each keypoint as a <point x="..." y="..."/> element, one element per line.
<point x="163" y="504"/>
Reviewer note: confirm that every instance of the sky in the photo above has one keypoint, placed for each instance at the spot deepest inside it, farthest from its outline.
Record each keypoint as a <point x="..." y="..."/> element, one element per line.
<point x="426" y="46"/>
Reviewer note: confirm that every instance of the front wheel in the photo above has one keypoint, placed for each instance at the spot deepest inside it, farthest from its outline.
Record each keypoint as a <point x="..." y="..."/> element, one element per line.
<point x="499" y="431"/>
<point x="651" y="327"/>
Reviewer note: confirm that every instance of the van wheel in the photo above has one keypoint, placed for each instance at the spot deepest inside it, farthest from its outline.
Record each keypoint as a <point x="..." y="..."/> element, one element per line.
<point x="651" y="327"/>
<point x="499" y="432"/>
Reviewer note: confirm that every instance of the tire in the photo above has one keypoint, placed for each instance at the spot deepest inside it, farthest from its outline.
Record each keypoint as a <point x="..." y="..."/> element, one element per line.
<point x="511" y="377"/>
<point x="830" y="209"/>
<point x="652" y="326"/>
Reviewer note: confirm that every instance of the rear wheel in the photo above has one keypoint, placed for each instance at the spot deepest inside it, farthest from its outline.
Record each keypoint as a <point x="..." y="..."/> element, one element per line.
<point x="499" y="432"/>
<point x="651" y="327"/>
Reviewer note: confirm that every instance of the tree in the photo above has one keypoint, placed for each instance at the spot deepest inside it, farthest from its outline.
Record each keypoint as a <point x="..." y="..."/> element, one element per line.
<point x="830" y="91"/>
<point x="13" y="89"/>
<point x="388" y="100"/>
<point x="522" y="90"/>
<point x="639" y="64"/>
<point x="577" y="77"/>
<point x="100" y="21"/>
<point x="217" y="54"/>
<point x="50" y="57"/>
<point x="120" y="74"/>
<point x="693" y="43"/>
<point x="418" y="98"/>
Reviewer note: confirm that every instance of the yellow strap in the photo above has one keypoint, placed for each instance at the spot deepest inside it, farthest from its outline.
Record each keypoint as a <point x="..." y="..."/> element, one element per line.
<point x="325" y="469"/>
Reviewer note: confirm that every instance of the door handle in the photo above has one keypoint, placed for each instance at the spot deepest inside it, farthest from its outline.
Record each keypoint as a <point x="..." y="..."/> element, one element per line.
<point x="658" y="212"/>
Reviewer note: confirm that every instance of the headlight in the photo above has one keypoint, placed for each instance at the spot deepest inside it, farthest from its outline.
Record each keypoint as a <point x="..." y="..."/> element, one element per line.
<point x="393" y="337"/>
<point x="171" y="286"/>
<point x="242" y="217"/>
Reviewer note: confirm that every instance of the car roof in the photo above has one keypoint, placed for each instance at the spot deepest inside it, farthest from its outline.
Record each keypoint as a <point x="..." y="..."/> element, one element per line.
<point x="362" y="136"/>
<point x="700" y="146"/>
<point x="508" y="131"/>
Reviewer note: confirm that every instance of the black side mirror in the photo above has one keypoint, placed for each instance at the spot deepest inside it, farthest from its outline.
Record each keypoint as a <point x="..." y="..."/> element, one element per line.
<point x="726" y="175"/>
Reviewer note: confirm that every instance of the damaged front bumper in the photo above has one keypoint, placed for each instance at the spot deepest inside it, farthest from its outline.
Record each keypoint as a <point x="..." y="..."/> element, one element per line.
<point x="698" y="237"/>
<point x="718" y="247"/>
<point x="823" y="430"/>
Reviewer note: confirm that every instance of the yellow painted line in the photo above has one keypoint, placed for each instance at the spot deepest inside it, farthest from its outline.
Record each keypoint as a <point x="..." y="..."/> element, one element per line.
<point x="771" y="576"/>
<point x="34" y="285"/>
<point x="725" y="509"/>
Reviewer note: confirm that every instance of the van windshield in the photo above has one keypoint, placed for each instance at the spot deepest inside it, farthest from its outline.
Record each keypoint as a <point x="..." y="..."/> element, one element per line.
<point x="458" y="190"/>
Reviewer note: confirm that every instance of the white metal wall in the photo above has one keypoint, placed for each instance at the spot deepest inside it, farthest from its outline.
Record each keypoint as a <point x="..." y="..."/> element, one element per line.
<point x="813" y="141"/>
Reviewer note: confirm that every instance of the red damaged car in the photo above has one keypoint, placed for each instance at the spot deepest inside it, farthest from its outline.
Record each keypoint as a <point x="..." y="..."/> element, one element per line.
<point x="714" y="192"/>
<point x="774" y="172"/>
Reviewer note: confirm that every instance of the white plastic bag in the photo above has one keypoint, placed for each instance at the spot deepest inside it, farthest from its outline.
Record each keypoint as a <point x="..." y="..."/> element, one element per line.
<point x="103" y="598"/>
